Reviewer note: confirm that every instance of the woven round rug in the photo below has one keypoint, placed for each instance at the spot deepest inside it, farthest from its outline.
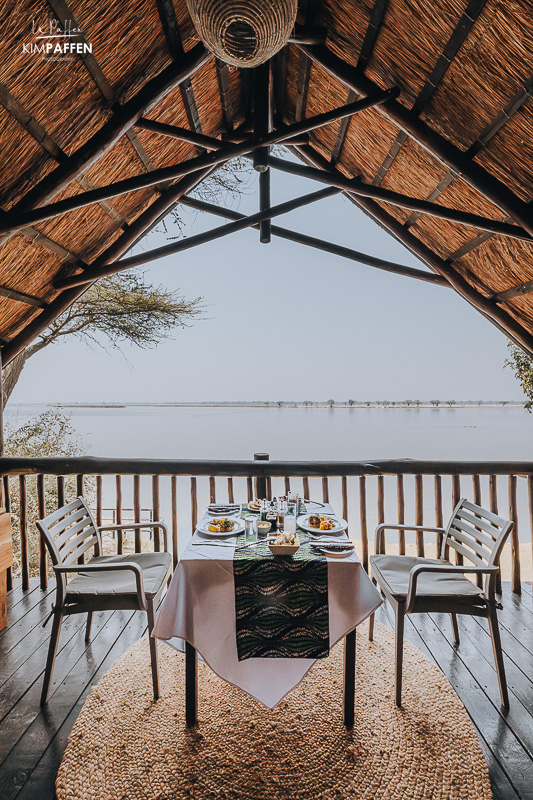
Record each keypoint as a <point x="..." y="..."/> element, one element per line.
<point x="126" y="747"/>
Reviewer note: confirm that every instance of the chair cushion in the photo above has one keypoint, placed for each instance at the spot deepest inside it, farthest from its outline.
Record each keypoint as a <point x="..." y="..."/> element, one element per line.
<point x="155" y="568"/>
<point x="434" y="591"/>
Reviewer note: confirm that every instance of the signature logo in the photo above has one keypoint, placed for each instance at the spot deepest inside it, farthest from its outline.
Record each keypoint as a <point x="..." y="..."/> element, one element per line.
<point x="55" y="40"/>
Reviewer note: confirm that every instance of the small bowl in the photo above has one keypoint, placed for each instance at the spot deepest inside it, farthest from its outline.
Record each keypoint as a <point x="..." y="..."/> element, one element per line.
<point x="283" y="549"/>
<point x="263" y="527"/>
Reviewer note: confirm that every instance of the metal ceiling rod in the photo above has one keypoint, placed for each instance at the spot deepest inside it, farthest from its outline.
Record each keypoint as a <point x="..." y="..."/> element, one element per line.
<point x="193" y="241"/>
<point x="12" y="220"/>
<point x="356" y="186"/>
<point x="442" y="149"/>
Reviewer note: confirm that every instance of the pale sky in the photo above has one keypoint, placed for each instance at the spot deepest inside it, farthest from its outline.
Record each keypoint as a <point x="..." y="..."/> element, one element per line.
<point x="353" y="331"/>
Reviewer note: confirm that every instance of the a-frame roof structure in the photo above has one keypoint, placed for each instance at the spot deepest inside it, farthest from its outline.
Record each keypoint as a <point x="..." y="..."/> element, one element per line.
<point x="420" y="113"/>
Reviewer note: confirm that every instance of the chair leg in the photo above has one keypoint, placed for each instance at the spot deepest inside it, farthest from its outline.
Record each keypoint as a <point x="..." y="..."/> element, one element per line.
<point x="153" y="648"/>
<point x="88" y="626"/>
<point x="371" y="621"/>
<point x="52" y="650"/>
<point x="498" y="656"/>
<point x="400" y="619"/>
<point x="455" y="629"/>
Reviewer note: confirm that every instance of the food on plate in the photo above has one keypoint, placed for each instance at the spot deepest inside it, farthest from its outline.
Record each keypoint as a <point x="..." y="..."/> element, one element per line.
<point x="221" y="525"/>
<point x="254" y="505"/>
<point x="283" y="537"/>
<point x="322" y="522"/>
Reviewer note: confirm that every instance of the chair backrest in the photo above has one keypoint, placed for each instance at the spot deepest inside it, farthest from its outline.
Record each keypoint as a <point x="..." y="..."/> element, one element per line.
<point x="69" y="532"/>
<point x="477" y="534"/>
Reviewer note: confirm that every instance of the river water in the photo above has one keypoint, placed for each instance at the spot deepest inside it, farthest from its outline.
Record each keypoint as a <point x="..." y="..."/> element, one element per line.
<point x="323" y="434"/>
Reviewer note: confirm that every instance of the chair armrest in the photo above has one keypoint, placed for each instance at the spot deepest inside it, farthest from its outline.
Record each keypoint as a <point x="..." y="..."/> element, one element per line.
<point x="385" y="526"/>
<point x="135" y="568"/>
<point x="137" y="526"/>
<point x="449" y="568"/>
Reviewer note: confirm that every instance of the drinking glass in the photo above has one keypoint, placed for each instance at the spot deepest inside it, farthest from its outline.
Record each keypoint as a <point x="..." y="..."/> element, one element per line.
<point x="281" y="510"/>
<point x="291" y="514"/>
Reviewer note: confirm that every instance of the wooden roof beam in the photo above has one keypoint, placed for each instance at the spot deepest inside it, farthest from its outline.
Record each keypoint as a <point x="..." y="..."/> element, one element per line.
<point x="487" y="306"/>
<point x="102" y="141"/>
<point x="308" y="34"/>
<point x="514" y="291"/>
<point x="21" y="297"/>
<point x="194" y="241"/>
<point x="357" y="187"/>
<point x="443" y="150"/>
<point x="64" y="14"/>
<point x="495" y="125"/>
<point x="49" y="145"/>
<point x="136" y="230"/>
<point x="224" y="87"/>
<point x="262" y="126"/>
<point x="458" y="36"/>
<point x="320" y="244"/>
<point x="12" y="220"/>
<point x="367" y="48"/>
<point x="207" y="142"/>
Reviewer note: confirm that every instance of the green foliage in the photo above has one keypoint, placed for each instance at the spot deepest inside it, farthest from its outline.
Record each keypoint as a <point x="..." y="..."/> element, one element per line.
<point x="124" y="307"/>
<point x="48" y="434"/>
<point x="522" y="366"/>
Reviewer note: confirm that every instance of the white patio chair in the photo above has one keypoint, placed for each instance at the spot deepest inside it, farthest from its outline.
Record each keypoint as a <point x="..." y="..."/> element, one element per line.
<point x="413" y="585"/>
<point x="134" y="581"/>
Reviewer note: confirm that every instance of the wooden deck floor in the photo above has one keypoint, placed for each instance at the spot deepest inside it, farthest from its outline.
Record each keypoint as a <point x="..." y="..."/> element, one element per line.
<point x="32" y="741"/>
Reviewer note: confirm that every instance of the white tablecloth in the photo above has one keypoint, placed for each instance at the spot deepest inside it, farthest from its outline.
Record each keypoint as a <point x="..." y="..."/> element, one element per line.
<point x="200" y="608"/>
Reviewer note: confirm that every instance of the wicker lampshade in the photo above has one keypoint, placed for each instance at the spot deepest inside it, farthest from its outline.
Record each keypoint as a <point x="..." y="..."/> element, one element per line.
<point x="244" y="33"/>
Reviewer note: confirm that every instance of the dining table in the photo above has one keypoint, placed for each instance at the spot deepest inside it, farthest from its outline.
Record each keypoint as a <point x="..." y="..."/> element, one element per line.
<point x="201" y="608"/>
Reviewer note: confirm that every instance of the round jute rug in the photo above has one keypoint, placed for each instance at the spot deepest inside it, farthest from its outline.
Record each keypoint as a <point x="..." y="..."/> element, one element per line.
<point x="126" y="747"/>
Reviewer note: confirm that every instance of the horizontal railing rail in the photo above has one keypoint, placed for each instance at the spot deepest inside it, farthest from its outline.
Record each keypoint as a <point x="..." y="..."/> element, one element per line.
<point x="91" y="465"/>
<point x="366" y="493"/>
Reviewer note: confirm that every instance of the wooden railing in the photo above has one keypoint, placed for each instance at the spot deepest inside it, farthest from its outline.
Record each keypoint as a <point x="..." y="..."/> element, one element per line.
<point x="364" y="492"/>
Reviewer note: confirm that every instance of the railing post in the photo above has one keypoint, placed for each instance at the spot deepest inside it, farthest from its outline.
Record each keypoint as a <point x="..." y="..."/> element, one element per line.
<point x="261" y="481"/>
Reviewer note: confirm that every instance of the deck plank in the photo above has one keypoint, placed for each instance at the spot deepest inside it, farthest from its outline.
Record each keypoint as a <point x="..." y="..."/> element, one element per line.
<point x="32" y="741"/>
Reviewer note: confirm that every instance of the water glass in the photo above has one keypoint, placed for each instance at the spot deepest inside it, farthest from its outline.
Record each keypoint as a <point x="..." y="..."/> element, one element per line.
<point x="291" y="514"/>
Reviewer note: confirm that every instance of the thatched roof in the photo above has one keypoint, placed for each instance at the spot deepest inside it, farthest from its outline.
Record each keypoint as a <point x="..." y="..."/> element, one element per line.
<point x="464" y="70"/>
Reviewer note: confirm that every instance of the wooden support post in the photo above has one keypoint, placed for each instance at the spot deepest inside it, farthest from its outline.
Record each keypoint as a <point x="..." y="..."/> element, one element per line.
<point x="6" y="546"/>
<point x="515" y="544"/>
<point x="261" y="481"/>
<point x="262" y="125"/>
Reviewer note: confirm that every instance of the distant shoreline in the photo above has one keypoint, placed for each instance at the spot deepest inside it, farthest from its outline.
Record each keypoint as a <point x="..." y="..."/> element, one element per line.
<point x="289" y="404"/>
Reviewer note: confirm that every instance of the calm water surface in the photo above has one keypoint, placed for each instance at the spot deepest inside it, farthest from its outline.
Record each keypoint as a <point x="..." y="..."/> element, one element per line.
<point x="475" y="433"/>
<point x="302" y="433"/>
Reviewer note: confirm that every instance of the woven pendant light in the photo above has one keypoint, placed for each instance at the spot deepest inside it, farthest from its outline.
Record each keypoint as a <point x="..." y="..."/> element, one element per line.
<point x="244" y="33"/>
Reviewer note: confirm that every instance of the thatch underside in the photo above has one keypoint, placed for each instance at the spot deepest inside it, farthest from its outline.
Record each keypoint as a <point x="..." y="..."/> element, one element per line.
<point x="477" y="98"/>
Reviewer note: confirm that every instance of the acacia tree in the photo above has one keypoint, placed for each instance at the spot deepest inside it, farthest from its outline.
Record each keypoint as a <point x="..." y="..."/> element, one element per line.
<point x="522" y="366"/>
<point x="116" y="309"/>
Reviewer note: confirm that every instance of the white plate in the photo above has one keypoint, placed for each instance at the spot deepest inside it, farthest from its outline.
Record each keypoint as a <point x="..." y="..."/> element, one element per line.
<point x="337" y="553"/>
<point x="339" y="528"/>
<point x="238" y="528"/>
<point x="227" y="514"/>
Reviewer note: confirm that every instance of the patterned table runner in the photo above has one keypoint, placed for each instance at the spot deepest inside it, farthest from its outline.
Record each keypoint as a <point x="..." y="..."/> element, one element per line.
<point x="281" y="603"/>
